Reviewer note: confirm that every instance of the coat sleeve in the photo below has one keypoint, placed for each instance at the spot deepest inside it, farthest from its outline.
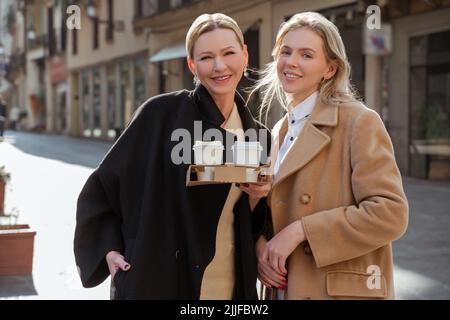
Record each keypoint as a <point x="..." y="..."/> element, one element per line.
<point x="381" y="211"/>
<point x="99" y="218"/>
<point x="259" y="217"/>
<point x="97" y="232"/>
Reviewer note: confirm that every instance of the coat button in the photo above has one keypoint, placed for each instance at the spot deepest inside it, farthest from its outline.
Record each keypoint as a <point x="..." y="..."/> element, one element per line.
<point x="177" y="254"/>
<point x="307" y="249"/>
<point x="197" y="267"/>
<point x="305" y="198"/>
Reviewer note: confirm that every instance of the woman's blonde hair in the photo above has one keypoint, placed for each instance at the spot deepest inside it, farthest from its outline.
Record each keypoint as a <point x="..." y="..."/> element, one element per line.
<point x="209" y="22"/>
<point x="334" y="90"/>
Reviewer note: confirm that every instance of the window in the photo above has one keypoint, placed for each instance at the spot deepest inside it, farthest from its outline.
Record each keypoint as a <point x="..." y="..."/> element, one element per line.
<point x="144" y="8"/>
<point x="140" y="82"/>
<point x="63" y="33"/>
<point x="429" y="128"/>
<point x="162" y="76"/>
<point x="111" y="104"/>
<point x="74" y="41"/>
<point x="51" y="32"/>
<point x="163" y="5"/>
<point x="95" y="25"/>
<point x="96" y="102"/>
<point x="110" y="26"/>
<point x="86" y="104"/>
<point x="126" y="94"/>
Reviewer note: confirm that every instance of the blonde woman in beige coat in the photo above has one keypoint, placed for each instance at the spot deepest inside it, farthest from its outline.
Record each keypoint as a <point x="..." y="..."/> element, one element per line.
<point x="337" y="199"/>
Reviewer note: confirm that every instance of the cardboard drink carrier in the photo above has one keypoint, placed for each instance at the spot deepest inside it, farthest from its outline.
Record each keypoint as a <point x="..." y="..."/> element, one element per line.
<point x="208" y="167"/>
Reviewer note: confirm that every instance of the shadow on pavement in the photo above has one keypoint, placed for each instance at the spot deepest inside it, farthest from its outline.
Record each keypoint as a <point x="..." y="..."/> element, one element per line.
<point x="422" y="254"/>
<point x="84" y="152"/>
<point x="14" y="286"/>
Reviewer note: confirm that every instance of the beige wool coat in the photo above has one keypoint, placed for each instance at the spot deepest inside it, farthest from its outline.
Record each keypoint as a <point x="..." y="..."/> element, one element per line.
<point x="341" y="179"/>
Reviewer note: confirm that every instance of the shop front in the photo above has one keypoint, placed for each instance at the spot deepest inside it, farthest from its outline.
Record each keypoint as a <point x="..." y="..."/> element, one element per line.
<point x="109" y="95"/>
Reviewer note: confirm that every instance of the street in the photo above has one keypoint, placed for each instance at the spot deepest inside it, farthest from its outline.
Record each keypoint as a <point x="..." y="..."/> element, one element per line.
<point x="48" y="172"/>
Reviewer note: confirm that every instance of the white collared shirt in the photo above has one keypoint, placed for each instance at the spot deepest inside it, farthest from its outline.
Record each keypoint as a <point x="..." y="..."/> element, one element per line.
<point x="296" y="121"/>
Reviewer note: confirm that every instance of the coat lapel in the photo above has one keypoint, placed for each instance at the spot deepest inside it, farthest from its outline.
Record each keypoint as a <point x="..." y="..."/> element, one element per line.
<point x="310" y="141"/>
<point x="277" y="140"/>
<point x="210" y="113"/>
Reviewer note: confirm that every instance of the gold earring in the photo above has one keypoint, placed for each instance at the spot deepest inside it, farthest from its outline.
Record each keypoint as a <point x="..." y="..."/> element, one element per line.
<point x="246" y="74"/>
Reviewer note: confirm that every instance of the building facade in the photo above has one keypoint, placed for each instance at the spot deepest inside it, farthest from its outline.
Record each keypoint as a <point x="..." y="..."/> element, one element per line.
<point x="407" y="82"/>
<point x="108" y="70"/>
<point x="128" y="51"/>
<point x="419" y="89"/>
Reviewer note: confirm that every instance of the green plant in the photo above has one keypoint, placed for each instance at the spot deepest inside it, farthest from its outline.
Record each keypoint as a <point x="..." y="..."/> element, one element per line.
<point x="41" y="95"/>
<point x="435" y="124"/>
<point x="4" y="175"/>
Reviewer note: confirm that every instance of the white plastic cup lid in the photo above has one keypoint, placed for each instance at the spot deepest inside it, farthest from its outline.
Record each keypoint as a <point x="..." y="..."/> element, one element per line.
<point x="214" y="144"/>
<point x="247" y="144"/>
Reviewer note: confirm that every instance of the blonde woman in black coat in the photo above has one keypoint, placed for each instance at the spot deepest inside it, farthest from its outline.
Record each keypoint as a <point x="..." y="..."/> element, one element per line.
<point x="137" y="220"/>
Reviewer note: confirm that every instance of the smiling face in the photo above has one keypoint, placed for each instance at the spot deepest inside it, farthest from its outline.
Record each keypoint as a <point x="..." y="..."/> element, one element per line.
<point x="302" y="64"/>
<point x="218" y="61"/>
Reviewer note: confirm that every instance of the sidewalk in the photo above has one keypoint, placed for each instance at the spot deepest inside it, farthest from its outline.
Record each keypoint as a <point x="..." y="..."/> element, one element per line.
<point x="48" y="173"/>
<point x="422" y="255"/>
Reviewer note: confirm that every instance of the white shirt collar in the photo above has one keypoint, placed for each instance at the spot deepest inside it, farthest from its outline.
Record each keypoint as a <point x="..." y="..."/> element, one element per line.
<point x="303" y="109"/>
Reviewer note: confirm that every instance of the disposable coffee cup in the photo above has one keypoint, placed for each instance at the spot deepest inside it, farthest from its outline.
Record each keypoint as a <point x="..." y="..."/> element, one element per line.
<point x="208" y="152"/>
<point x="247" y="153"/>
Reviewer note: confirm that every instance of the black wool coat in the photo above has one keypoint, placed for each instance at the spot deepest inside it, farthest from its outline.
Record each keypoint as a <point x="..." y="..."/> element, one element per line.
<point x="136" y="202"/>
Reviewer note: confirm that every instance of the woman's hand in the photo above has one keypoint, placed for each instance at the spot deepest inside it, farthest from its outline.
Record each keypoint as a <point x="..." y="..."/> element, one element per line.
<point x="268" y="277"/>
<point x="115" y="261"/>
<point x="255" y="191"/>
<point x="280" y="247"/>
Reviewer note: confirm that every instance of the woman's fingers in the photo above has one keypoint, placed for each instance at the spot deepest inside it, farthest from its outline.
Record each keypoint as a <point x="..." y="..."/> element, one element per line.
<point x="268" y="283"/>
<point x="264" y="283"/>
<point x="271" y="271"/>
<point x="273" y="261"/>
<point x="272" y="277"/>
<point x="282" y="265"/>
<point x="277" y="259"/>
<point x="255" y="190"/>
<point x="120" y="262"/>
<point x="115" y="261"/>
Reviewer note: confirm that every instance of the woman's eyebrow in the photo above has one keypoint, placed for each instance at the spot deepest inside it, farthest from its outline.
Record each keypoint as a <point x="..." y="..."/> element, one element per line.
<point x="223" y="49"/>
<point x="300" y="49"/>
<point x="229" y="47"/>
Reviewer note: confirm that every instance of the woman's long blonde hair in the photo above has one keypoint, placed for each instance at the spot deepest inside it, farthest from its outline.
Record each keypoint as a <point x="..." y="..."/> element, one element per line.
<point x="334" y="90"/>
